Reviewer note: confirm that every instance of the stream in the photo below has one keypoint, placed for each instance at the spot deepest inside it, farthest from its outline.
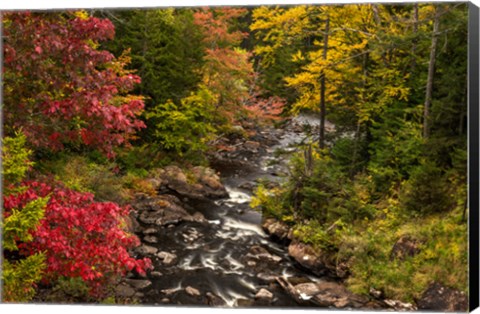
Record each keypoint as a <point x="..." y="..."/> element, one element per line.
<point x="229" y="259"/>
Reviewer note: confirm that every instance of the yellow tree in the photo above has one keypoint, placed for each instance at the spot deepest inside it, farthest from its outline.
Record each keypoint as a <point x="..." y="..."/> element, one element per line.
<point x="333" y="71"/>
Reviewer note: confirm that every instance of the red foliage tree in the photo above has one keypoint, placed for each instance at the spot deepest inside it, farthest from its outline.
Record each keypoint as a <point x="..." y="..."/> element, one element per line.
<point x="80" y="237"/>
<point x="227" y="69"/>
<point x="60" y="88"/>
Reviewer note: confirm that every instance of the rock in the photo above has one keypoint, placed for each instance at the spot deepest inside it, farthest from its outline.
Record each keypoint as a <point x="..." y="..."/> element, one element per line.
<point x="249" y="186"/>
<point x="405" y="247"/>
<point x="264" y="295"/>
<point x="265" y="277"/>
<point x="131" y="223"/>
<point x="244" y="303"/>
<point x="307" y="290"/>
<point x="252" y="146"/>
<point x="324" y="294"/>
<point x="399" y="306"/>
<point x="125" y="291"/>
<point x="150" y="239"/>
<point x="146" y="250"/>
<point x="156" y="274"/>
<point x="260" y="259"/>
<point x="318" y="262"/>
<point x="160" y="210"/>
<point x="214" y="300"/>
<point x="336" y="295"/>
<point x="203" y="183"/>
<point x="277" y="230"/>
<point x="443" y="299"/>
<point x="258" y="250"/>
<point x="138" y="284"/>
<point x="169" y="291"/>
<point x="168" y="259"/>
<point x="208" y="177"/>
<point x="139" y="295"/>
<point x="191" y="235"/>
<point x="251" y="263"/>
<point x="192" y="291"/>
<point x="376" y="293"/>
<point x="149" y="231"/>
<point x="198" y="217"/>
<point x="156" y="183"/>
<point x="298" y="280"/>
<point x="165" y="300"/>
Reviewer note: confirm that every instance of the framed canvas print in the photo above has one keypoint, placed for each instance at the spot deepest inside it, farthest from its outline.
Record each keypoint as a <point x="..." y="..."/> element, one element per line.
<point x="257" y="156"/>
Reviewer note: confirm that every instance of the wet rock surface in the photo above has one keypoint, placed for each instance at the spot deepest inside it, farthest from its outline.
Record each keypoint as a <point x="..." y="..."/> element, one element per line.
<point x="277" y="230"/>
<point x="319" y="262"/>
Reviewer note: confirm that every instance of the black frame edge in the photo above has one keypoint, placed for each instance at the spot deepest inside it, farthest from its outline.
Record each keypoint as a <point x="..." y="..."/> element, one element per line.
<point x="473" y="182"/>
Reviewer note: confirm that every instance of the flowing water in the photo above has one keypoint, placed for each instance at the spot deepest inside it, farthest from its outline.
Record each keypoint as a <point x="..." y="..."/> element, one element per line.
<point x="218" y="257"/>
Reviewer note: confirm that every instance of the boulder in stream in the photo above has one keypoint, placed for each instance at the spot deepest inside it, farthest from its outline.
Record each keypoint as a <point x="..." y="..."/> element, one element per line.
<point x="138" y="284"/>
<point x="326" y="294"/>
<point x="318" y="262"/>
<point x="192" y="291"/>
<point x="146" y="250"/>
<point x="167" y="259"/>
<point x="160" y="210"/>
<point x="214" y="300"/>
<point x="200" y="183"/>
<point x="264" y="295"/>
<point x="278" y="231"/>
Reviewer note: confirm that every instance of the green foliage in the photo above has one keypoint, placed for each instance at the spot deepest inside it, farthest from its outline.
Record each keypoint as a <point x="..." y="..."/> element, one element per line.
<point x="19" y="277"/>
<point x="426" y="191"/>
<point x="350" y="154"/>
<point x="271" y="203"/>
<point x="81" y="174"/>
<point x="140" y="159"/>
<point x="17" y="225"/>
<point x="165" y="47"/>
<point x="185" y="129"/>
<point x="69" y="290"/>
<point x="395" y="151"/>
<point x="315" y="234"/>
<point x="15" y="159"/>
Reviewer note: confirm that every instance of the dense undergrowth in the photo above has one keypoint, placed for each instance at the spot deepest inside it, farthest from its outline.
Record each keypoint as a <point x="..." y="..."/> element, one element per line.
<point x="349" y="218"/>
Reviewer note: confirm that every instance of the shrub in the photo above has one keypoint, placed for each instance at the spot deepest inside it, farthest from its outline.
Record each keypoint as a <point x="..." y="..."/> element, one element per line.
<point x="19" y="276"/>
<point x="271" y="203"/>
<point x="315" y="234"/>
<point x="186" y="128"/>
<point x="15" y="158"/>
<point x="426" y="191"/>
<point x="80" y="238"/>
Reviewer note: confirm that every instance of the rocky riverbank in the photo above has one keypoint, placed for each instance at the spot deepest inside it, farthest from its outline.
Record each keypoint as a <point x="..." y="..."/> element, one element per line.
<point x="209" y="248"/>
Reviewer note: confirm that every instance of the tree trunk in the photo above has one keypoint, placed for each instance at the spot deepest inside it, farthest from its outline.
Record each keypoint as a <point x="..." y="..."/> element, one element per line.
<point x="431" y="70"/>
<point x="321" y="138"/>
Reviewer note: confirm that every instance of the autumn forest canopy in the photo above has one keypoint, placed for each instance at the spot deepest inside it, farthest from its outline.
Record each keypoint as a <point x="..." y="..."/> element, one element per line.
<point x="96" y="101"/>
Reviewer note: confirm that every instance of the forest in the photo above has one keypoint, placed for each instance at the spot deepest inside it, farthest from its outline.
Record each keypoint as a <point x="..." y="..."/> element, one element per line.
<point x="265" y="156"/>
